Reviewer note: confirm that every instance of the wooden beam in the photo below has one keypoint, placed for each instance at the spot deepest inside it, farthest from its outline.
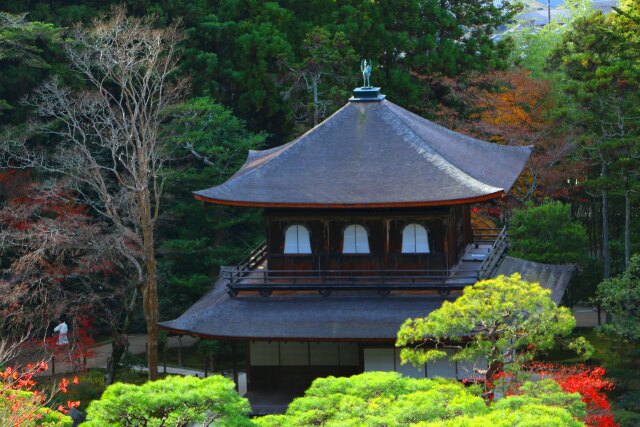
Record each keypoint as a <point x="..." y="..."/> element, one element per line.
<point x="483" y="198"/>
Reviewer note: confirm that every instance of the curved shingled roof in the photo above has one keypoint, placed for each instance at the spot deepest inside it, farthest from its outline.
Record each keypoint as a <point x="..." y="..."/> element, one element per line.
<point x="342" y="316"/>
<point x="554" y="277"/>
<point x="373" y="154"/>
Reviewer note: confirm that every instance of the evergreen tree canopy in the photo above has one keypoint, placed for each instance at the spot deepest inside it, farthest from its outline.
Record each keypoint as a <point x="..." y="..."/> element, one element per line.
<point x="620" y="297"/>
<point x="548" y="234"/>
<point x="208" y="146"/>
<point x="174" y="401"/>
<point x="388" y="399"/>
<point x="501" y="321"/>
<point x="29" y="52"/>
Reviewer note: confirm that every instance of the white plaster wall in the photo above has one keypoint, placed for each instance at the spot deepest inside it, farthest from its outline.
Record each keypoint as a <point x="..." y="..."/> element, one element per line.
<point x="294" y="353"/>
<point x="263" y="353"/>
<point x="379" y="359"/>
<point x="408" y="370"/>
<point x="442" y="368"/>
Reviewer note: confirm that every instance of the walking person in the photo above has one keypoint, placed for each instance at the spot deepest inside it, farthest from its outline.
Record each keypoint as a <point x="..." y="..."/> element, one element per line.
<point x="62" y="329"/>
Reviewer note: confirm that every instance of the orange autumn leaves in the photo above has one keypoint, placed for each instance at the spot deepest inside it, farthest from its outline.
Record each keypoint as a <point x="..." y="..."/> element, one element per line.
<point x="513" y="108"/>
<point x="22" y="403"/>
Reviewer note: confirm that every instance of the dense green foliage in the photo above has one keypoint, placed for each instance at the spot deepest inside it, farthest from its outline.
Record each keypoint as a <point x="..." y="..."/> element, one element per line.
<point x="239" y="52"/>
<point x="498" y="320"/>
<point x="534" y="46"/>
<point x="318" y="82"/>
<point x="261" y="72"/>
<point x="620" y="297"/>
<point x="29" y="52"/>
<point x="208" y="145"/>
<point x="600" y="66"/>
<point x="547" y="233"/>
<point x="388" y="399"/>
<point x="174" y="401"/>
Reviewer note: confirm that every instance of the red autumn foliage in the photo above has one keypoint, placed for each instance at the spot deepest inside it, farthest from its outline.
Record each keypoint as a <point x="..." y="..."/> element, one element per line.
<point x="589" y="382"/>
<point x="81" y="344"/>
<point x="54" y="249"/>
<point x="20" y="398"/>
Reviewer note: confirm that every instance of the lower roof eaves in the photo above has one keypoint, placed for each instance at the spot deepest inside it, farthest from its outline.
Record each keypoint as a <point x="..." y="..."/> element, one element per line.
<point x="297" y="317"/>
<point x="339" y="317"/>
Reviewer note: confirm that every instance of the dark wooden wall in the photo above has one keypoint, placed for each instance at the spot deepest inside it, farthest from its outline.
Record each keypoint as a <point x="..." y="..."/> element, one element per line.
<point x="294" y="378"/>
<point x="449" y="230"/>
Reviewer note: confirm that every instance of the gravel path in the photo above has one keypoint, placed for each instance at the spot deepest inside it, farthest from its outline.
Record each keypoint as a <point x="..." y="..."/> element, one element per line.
<point x="137" y="345"/>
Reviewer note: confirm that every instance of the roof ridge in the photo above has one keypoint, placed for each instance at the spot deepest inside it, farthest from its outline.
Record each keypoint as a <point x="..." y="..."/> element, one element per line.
<point x="452" y="132"/>
<point x="478" y="185"/>
<point x="285" y="147"/>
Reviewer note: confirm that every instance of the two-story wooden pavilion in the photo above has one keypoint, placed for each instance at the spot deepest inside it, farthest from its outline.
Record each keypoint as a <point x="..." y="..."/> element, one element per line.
<point x="367" y="223"/>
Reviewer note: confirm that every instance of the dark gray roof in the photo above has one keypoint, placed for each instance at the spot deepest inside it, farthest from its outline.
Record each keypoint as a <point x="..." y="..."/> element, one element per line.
<point x="306" y="317"/>
<point x="340" y="316"/>
<point x="373" y="154"/>
<point x="554" y="277"/>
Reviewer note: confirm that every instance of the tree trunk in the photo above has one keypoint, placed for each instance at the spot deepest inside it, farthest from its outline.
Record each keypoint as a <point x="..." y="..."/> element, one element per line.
<point x="316" y="112"/>
<point x="606" y="257"/>
<point x="118" y="346"/>
<point x="492" y="369"/>
<point x="119" y="343"/>
<point x="627" y="229"/>
<point x="150" y="304"/>
<point x="150" y="289"/>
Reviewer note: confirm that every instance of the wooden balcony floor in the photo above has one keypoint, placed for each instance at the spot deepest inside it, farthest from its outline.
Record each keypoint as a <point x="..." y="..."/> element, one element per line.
<point x="463" y="274"/>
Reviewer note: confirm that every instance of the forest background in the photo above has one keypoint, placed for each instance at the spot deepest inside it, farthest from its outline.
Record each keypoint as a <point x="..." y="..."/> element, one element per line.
<point x="261" y="73"/>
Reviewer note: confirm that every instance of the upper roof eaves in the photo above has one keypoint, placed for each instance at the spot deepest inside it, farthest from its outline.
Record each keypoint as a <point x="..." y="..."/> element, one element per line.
<point x="373" y="154"/>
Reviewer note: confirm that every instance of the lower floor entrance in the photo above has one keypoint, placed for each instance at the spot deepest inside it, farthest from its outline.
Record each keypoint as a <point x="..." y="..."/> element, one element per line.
<point x="279" y="371"/>
<point x="292" y="366"/>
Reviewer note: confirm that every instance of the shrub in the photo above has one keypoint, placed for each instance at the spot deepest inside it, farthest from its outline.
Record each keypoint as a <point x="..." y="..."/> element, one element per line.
<point x="173" y="401"/>
<point x="388" y="399"/>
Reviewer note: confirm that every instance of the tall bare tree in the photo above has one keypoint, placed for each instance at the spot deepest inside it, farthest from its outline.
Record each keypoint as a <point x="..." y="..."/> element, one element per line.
<point x="108" y="136"/>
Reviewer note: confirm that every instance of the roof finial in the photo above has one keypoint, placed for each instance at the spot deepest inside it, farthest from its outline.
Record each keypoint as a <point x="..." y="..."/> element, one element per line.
<point x="365" y="67"/>
<point x="366" y="93"/>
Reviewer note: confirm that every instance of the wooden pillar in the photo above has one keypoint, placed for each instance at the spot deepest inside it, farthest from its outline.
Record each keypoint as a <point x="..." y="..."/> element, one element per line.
<point x="446" y="234"/>
<point x="267" y="233"/>
<point x="387" y="224"/>
<point x="468" y="230"/>
<point x="234" y="347"/>
<point x="247" y="358"/>
<point x="326" y="245"/>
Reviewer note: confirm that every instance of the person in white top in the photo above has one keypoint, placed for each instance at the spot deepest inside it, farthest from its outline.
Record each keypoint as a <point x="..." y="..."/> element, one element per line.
<point x="62" y="329"/>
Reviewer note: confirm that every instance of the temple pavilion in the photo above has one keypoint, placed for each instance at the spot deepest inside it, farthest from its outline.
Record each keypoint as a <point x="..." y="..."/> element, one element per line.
<point x="367" y="223"/>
